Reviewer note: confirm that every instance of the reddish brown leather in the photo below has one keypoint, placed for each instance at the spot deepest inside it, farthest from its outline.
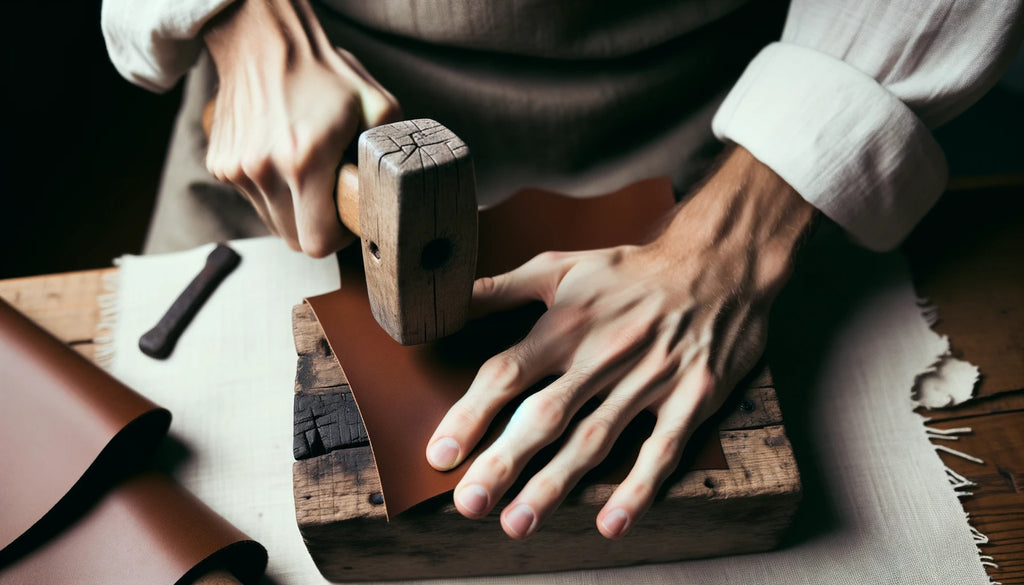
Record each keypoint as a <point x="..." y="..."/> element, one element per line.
<point x="403" y="392"/>
<point x="58" y="411"/>
<point x="146" y="530"/>
<point x="68" y="432"/>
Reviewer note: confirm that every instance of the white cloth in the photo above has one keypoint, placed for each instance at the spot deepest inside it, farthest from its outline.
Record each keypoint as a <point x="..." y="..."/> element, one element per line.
<point x="228" y="383"/>
<point x="877" y="506"/>
<point x="841" y="108"/>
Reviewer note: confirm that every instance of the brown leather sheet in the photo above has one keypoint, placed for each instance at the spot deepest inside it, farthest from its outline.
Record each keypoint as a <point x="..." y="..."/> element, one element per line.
<point x="147" y="529"/>
<point x="403" y="392"/>
<point x="69" y="432"/>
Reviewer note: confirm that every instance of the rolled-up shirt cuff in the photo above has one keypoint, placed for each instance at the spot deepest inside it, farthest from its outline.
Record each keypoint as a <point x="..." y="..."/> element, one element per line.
<point x="849" y="147"/>
<point x="152" y="43"/>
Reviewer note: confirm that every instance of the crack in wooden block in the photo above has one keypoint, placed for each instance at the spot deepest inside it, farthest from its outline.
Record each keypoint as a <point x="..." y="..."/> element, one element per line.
<point x="325" y="422"/>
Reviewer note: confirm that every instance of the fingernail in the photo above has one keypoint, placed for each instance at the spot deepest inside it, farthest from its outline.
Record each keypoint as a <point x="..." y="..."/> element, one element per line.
<point x="444" y="453"/>
<point x="520" y="520"/>
<point x="615" y="522"/>
<point x="473" y="499"/>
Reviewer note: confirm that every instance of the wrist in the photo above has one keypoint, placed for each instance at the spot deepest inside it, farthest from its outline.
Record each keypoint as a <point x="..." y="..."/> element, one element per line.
<point x="746" y="211"/>
<point x="276" y="35"/>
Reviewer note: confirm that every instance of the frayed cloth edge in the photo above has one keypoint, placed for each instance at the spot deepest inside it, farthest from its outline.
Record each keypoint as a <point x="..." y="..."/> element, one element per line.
<point x="108" y="304"/>
<point x="935" y="386"/>
<point x="938" y="438"/>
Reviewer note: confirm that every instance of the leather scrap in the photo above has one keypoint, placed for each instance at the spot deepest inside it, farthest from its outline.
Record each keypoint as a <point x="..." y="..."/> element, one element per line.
<point x="73" y="507"/>
<point x="403" y="392"/>
<point x="147" y="529"/>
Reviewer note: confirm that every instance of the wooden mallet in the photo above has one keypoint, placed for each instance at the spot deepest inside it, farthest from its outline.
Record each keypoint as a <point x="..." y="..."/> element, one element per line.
<point x="412" y="203"/>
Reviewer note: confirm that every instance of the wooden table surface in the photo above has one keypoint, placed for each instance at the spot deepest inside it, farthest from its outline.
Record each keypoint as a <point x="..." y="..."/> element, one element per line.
<point x="967" y="257"/>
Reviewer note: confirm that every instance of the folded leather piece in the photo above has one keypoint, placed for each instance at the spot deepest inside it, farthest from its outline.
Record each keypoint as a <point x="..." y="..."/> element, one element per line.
<point x="147" y="529"/>
<point x="70" y="434"/>
<point x="58" y="412"/>
<point x="403" y="392"/>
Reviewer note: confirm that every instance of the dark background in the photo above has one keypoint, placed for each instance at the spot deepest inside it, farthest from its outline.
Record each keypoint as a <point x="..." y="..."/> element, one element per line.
<point x="83" y="148"/>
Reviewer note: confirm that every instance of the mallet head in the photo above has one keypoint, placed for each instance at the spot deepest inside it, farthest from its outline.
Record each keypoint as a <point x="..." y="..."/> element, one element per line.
<point x="418" y="226"/>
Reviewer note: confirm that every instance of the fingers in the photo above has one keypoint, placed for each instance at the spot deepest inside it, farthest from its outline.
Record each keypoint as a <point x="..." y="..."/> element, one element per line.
<point x="659" y="456"/>
<point x="543" y="352"/>
<point x="588" y="443"/>
<point x="282" y="148"/>
<point x="536" y="280"/>
<point x="545" y="415"/>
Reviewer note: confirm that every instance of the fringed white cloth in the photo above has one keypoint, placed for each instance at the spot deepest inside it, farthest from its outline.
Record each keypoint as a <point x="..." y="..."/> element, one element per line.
<point x="846" y="345"/>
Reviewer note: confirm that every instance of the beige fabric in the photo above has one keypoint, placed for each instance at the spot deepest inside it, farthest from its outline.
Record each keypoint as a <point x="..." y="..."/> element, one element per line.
<point x="847" y="343"/>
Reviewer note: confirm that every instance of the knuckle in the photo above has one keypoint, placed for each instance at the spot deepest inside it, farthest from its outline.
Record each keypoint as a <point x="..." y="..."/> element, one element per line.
<point x="292" y="162"/>
<point x="233" y="173"/>
<point x="259" y="168"/>
<point x="503" y="371"/>
<point x="317" y="248"/>
<point x="497" y="466"/>
<point x="708" y="399"/>
<point x="664" y="447"/>
<point x="548" y="257"/>
<point x="641" y="491"/>
<point x="316" y="243"/>
<point x="617" y="255"/>
<point x="545" y="488"/>
<point x="287" y="163"/>
<point x="596" y="434"/>
<point x="461" y="417"/>
<point x="545" y="412"/>
<point x="384" y="109"/>
<point x="486" y="285"/>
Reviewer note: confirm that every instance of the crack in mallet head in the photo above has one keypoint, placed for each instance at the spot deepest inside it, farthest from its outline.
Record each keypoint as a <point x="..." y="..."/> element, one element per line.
<point x="418" y="223"/>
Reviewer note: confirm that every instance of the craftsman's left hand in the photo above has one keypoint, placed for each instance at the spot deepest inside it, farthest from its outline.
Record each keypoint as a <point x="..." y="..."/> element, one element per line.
<point x="670" y="326"/>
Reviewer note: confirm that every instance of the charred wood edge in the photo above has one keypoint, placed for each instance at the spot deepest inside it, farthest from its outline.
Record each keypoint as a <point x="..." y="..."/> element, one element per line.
<point x="326" y="417"/>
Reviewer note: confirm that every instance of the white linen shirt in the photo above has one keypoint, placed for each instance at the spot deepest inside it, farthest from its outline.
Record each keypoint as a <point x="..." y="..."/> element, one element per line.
<point x="841" y="107"/>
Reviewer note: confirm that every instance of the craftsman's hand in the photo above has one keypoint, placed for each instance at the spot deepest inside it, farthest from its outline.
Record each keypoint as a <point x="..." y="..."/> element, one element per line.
<point x="288" y="105"/>
<point x="670" y="326"/>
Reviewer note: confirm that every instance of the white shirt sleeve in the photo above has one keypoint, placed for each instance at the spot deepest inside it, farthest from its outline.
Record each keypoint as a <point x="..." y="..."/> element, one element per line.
<point x="152" y="43"/>
<point x="841" y="107"/>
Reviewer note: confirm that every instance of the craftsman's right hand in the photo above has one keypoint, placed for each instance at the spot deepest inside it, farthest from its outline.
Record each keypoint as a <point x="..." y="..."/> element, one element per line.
<point x="288" y="105"/>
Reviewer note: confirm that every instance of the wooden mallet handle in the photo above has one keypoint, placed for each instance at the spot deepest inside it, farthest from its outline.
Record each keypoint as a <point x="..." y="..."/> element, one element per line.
<point x="412" y="202"/>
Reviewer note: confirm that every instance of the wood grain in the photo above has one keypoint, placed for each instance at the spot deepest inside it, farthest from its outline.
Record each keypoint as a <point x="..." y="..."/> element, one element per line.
<point x="65" y="304"/>
<point x="341" y="515"/>
<point x="418" y="217"/>
<point x="968" y="260"/>
<point x="741" y="509"/>
<point x="997" y="506"/>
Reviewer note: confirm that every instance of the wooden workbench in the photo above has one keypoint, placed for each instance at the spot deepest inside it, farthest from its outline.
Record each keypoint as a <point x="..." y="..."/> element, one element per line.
<point x="967" y="257"/>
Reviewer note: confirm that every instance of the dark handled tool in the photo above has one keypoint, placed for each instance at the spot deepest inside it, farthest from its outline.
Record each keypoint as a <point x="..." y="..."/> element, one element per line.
<point x="159" y="341"/>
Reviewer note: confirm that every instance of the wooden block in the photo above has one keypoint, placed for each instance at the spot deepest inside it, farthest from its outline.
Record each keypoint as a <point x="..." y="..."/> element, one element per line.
<point x="744" y="508"/>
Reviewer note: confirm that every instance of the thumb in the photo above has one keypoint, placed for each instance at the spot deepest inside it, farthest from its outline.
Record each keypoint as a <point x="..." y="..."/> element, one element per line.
<point x="536" y="280"/>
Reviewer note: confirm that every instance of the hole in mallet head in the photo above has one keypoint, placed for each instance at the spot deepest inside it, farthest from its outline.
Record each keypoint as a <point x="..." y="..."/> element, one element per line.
<point x="374" y="250"/>
<point x="436" y="254"/>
